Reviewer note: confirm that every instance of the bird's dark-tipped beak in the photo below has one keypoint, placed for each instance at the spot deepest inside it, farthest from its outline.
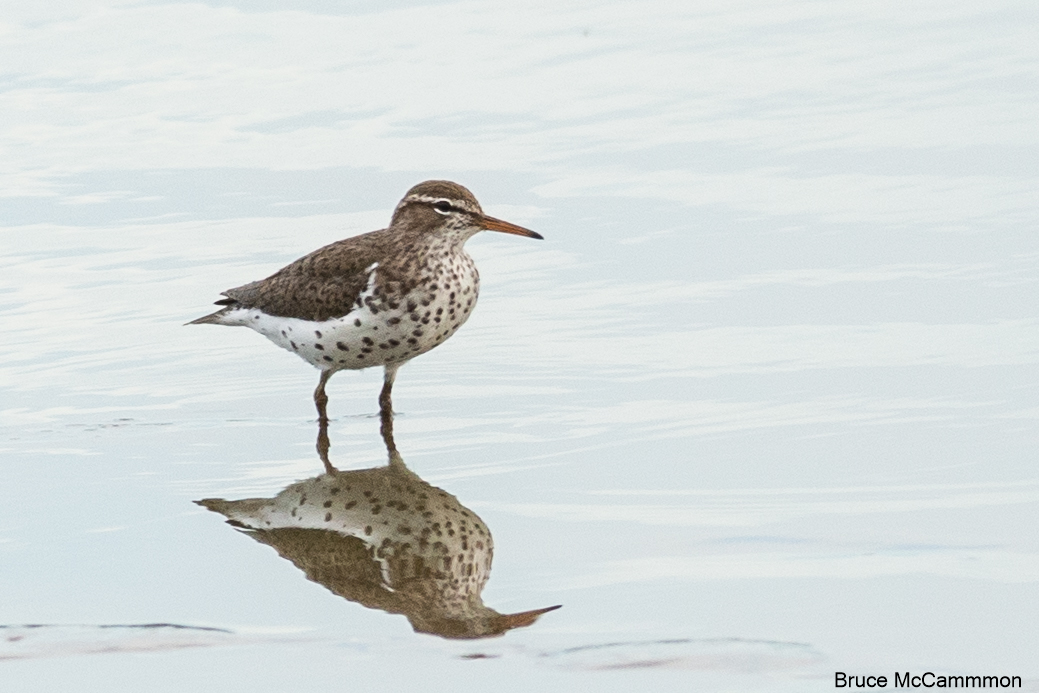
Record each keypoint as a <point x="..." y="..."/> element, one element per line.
<point x="524" y="618"/>
<point x="492" y="224"/>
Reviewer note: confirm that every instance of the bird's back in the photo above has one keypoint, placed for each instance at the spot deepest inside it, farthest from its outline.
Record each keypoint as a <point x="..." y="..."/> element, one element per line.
<point x="321" y="285"/>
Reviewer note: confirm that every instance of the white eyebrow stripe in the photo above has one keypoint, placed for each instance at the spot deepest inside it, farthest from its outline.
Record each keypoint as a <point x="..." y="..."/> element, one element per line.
<point x="459" y="204"/>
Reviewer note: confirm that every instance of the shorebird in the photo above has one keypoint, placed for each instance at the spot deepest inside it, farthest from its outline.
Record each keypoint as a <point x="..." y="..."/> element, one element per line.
<point x="378" y="299"/>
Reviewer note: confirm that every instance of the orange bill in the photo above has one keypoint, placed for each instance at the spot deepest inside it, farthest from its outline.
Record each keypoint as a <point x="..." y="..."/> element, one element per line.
<point x="525" y="618"/>
<point x="492" y="224"/>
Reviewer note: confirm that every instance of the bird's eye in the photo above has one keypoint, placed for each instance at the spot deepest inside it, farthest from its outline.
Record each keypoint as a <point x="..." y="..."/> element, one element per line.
<point x="442" y="206"/>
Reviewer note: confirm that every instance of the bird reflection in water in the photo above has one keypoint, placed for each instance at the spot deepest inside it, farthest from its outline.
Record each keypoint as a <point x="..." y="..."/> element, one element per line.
<point x="386" y="539"/>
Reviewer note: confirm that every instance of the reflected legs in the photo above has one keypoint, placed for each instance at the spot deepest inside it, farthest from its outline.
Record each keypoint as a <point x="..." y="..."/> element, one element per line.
<point x="386" y="412"/>
<point x="323" y="445"/>
<point x="385" y="416"/>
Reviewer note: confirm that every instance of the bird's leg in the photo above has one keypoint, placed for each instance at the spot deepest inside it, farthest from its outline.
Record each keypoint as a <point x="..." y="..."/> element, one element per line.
<point x="386" y="429"/>
<point x="385" y="397"/>
<point x="320" y="398"/>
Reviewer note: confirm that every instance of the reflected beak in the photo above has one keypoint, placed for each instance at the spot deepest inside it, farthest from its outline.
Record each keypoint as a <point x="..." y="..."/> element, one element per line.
<point x="524" y="618"/>
<point x="492" y="224"/>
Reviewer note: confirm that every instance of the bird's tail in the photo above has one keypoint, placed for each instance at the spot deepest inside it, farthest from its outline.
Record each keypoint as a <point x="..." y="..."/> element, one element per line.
<point x="244" y="514"/>
<point x="220" y="317"/>
<point x="211" y="319"/>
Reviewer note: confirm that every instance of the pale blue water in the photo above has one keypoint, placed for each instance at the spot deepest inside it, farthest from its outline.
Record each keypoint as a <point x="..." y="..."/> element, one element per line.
<point x="762" y="406"/>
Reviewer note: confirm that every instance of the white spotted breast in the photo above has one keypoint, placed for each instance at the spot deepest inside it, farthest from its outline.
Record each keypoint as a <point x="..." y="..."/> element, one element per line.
<point x="382" y="327"/>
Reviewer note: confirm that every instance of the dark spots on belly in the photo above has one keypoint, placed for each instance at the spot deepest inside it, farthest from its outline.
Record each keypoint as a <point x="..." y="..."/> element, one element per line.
<point x="327" y="358"/>
<point x="360" y="356"/>
<point x="392" y="321"/>
<point x="357" y="322"/>
<point x="412" y="340"/>
<point x="440" y="311"/>
<point x="412" y="306"/>
<point x="319" y="347"/>
<point x="394" y="342"/>
<point x="350" y="504"/>
<point x="284" y="333"/>
<point x="414" y="317"/>
<point x="366" y="350"/>
<point x="294" y="347"/>
<point x="342" y="347"/>
<point x="318" y="333"/>
<point x="384" y="345"/>
<point x="417" y="333"/>
<point x="368" y="341"/>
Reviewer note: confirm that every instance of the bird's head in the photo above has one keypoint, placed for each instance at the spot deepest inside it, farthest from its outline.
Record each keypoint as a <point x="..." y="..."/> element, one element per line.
<point x="442" y="205"/>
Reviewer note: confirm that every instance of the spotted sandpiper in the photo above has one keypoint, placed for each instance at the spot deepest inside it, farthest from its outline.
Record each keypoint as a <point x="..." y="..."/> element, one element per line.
<point x="378" y="299"/>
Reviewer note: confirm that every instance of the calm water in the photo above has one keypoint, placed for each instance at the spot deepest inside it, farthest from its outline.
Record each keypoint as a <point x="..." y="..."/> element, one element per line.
<point x="763" y="406"/>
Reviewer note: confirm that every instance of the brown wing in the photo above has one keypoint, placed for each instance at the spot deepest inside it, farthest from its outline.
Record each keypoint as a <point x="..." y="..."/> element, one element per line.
<point x="322" y="285"/>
